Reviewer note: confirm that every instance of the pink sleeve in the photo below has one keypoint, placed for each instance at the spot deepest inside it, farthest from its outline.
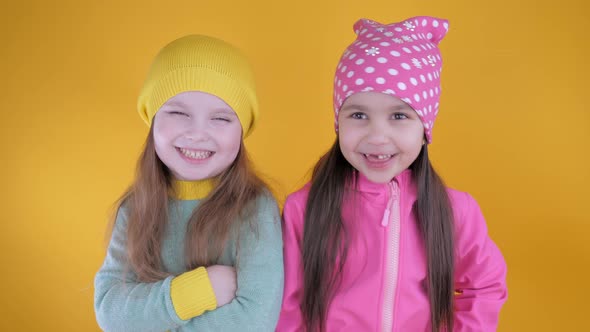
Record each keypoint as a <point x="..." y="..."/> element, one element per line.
<point x="480" y="272"/>
<point x="290" y="318"/>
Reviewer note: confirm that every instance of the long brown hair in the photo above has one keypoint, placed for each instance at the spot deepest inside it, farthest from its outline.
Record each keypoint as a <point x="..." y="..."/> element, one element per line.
<point x="230" y="203"/>
<point x="325" y="237"/>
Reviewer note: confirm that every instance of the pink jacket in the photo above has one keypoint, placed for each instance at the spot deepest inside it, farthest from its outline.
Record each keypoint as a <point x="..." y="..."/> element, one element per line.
<point x="383" y="281"/>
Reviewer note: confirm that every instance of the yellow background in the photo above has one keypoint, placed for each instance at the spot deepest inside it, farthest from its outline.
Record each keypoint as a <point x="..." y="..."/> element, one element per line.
<point x="514" y="131"/>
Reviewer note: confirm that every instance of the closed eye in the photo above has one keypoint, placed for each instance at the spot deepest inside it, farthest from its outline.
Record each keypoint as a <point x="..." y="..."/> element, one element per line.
<point x="177" y="113"/>
<point x="222" y="119"/>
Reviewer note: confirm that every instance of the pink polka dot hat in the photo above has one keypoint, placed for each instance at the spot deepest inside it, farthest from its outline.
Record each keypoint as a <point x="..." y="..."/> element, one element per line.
<point x="400" y="59"/>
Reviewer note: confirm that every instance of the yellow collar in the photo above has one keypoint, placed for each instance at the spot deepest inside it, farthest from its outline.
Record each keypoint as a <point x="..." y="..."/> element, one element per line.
<point x="189" y="190"/>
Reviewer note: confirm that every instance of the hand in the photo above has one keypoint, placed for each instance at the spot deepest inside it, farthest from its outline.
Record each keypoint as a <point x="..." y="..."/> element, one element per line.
<point x="224" y="283"/>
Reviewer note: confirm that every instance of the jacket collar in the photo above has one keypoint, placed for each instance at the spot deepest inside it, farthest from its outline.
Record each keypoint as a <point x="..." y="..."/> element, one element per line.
<point x="362" y="184"/>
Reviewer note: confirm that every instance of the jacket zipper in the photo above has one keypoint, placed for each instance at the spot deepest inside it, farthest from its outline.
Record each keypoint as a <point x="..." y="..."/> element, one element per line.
<point x="391" y="216"/>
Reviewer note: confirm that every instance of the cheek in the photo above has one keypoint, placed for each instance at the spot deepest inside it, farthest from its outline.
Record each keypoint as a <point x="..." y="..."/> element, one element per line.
<point x="349" y="137"/>
<point x="412" y="141"/>
<point x="159" y="136"/>
<point x="344" y="141"/>
<point x="161" y="149"/>
<point x="232" y="138"/>
<point x="163" y="129"/>
<point x="165" y="132"/>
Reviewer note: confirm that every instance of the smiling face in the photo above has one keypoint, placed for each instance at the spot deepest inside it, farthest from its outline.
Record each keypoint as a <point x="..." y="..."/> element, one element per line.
<point x="379" y="135"/>
<point x="196" y="135"/>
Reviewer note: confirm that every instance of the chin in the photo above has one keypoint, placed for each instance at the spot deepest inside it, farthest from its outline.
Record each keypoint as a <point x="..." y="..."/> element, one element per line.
<point x="379" y="178"/>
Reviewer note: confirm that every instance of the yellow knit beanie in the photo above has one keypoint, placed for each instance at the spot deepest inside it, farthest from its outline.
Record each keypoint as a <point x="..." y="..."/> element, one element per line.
<point x="201" y="63"/>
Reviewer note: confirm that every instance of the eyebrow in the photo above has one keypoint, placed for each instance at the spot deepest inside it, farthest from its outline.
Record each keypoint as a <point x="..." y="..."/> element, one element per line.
<point x="185" y="106"/>
<point x="362" y="108"/>
<point x="352" y="107"/>
<point x="401" y="107"/>
<point x="224" y="110"/>
<point x="174" y="104"/>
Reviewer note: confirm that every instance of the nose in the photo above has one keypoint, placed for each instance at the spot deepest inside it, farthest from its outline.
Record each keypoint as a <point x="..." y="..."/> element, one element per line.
<point x="196" y="131"/>
<point x="379" y="133"/>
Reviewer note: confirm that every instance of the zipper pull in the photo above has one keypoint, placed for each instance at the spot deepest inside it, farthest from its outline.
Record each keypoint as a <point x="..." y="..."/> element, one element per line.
<point x="385" y="220"/>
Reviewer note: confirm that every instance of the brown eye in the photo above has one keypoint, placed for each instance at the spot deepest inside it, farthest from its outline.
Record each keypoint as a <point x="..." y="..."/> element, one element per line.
<point x="358" y="116"/>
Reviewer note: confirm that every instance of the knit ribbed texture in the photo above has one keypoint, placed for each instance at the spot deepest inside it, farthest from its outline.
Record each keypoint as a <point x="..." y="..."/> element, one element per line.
<point x="201" y="63"/>
<point x="192" y="294"/>
<point x="184" y="301"/>
<point x="189" y="190"/>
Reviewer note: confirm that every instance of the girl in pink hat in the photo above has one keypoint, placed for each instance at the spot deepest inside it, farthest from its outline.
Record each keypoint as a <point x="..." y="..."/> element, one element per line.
<point x="376" y="242"/>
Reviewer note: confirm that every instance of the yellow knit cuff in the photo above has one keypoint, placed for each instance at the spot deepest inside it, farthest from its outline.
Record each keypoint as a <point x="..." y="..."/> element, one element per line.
<point x="192" y="294"/>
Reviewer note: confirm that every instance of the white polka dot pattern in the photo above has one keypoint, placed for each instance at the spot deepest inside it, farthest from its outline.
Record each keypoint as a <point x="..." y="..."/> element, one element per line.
<point x="400" y="59"/>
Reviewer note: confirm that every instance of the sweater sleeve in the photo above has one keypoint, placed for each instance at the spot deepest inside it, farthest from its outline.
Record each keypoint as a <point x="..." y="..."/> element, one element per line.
<point x="259" y="278"/>
<point x="122" y="303"/>
<point x="291" y="318"/>
<point x="192" y="293"/>
<point x="480" y="273"/>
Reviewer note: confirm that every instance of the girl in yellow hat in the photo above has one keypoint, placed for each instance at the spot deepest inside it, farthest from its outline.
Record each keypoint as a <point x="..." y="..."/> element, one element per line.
<point x="196" y="243"/>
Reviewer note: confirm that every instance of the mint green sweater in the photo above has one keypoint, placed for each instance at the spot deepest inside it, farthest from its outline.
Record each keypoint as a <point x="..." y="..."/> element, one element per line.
<point x="124" y="304"/>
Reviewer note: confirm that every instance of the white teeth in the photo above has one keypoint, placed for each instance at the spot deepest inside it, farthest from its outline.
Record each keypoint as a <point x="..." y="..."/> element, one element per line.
<point x="196" y="154"/>
<point x="380" y="156"/>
